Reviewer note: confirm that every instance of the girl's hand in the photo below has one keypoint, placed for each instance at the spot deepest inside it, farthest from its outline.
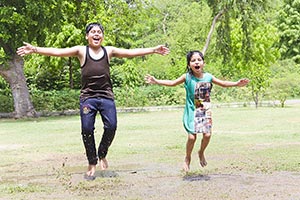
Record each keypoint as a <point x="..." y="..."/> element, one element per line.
<point x="243" y="82"/>
<point x="162" y="50"/>
<point x="150" y="79"/>
<point x="26" y="49"/>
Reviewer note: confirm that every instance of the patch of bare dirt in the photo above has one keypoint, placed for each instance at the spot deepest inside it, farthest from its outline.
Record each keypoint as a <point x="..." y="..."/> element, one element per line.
<point x="62" y="178"/>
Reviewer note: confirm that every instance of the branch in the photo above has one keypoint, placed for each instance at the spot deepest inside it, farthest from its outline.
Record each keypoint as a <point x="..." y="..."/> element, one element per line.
<point x="6" y="47"/>
<point x="216" y="18"/>
<point x="164" y="23"/>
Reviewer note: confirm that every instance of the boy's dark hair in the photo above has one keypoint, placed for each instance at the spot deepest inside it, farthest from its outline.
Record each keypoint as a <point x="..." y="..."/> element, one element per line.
<point x="91" y="25"/>
<point x="189" y="56"/>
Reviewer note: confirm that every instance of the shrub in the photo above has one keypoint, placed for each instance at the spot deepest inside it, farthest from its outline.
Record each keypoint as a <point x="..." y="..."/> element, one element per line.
<point x="55" y="100"/>
<point x="6" y="103"/>
<point x="148" y="96"/>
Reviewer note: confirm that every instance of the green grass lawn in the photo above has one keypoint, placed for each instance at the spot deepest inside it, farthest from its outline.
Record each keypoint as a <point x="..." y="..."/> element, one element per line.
<point x="41" y="158"/>
<point x="264" y="139"/>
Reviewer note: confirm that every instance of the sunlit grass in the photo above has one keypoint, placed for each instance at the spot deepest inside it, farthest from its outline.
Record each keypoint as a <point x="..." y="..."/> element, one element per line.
<point x="42" y="156"/>
<point x="239" y="134"/>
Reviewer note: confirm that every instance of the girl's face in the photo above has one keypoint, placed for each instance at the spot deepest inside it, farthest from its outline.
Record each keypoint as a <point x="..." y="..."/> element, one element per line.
<point x="95" y="37"/>
<point x="196" y="64"/>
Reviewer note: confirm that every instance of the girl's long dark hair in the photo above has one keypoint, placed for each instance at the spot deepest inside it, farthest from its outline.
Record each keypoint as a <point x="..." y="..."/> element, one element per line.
<point x="189" y="57"/>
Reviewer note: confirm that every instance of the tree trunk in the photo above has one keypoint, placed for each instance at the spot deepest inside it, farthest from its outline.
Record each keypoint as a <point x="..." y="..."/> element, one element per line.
<point x="255" y="98"/>
<point x="212" y="27"/>
<point x="71" y="81"/>
<point x="14" y="75"/>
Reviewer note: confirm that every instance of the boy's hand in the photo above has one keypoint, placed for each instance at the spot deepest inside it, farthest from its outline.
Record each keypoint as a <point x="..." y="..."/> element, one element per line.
<point x="162" y="50"/>
<point x="26" y="49"/>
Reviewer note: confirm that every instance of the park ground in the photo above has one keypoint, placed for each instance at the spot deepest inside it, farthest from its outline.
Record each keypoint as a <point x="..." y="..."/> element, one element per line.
<point x="243" y="163"/>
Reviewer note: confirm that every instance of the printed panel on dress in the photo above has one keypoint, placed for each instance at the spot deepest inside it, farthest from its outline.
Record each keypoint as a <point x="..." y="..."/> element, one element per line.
<point x="202" y="120"/>
<point x="202" y="93"/>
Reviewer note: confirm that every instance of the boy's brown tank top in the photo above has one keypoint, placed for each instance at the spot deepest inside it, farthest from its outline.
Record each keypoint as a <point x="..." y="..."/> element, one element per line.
<point x="95" y="77"/>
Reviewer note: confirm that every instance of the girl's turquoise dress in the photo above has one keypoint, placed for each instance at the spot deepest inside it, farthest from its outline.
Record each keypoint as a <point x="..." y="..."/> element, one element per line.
<point x="197" y="111"/>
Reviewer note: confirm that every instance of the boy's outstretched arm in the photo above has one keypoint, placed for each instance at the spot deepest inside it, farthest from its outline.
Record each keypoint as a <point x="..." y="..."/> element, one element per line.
<point x="48" y="51"/>
<point x="127" y="53"/>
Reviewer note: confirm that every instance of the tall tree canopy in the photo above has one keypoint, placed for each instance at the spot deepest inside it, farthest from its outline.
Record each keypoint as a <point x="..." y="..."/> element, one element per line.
<point x="289" y="29"/>
<point x="56" y="23"/>
<point x="237" y="46"/>
<point x="23" y="20"/>
<point x="245" y="51"/>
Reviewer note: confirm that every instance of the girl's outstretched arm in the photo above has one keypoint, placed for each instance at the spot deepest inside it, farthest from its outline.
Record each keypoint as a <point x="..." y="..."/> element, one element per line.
<point x="239" y="83"/>
<point x="152" y="80"/>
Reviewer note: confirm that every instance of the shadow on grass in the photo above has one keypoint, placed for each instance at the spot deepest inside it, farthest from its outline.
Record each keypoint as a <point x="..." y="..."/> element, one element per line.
<point x="106" y="174"/>
<point x="196" y="177"/>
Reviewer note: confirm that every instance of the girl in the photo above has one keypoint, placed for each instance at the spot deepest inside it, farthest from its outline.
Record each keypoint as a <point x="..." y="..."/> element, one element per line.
<point x="197" y="116"/>
<point x="96" y="91"/>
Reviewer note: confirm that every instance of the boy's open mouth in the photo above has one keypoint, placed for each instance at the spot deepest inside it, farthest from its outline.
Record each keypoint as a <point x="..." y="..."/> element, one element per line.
<point x="197" y="67"/>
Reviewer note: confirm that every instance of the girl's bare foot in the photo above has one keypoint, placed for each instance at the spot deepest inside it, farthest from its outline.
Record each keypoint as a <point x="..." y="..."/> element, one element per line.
<point x="90" y="174"/>
<point x="186" y="165"/>
<point x="103" y="164"/>
<point x="203" y="162"/>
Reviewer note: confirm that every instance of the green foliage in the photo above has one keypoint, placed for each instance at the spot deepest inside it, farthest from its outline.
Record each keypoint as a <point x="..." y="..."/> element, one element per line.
<point x="26" y="21"/>
<point x="4" y="87"/>
<point x="50" y="73"/>
<point x="256" y="65"/>
<point x="55" y="100"/>
<point x="237" y="48"/>
<point x="285" y="81"/>
<point x="47" y="73"/>
<point x="282" y="88"/>
<point x="127" y="75"/>
<point x="130" y="97"/>
<point x="185" y="27"/>
<point x="228" y="95"/>
<point x="6" y="104"/>
<point x="3" y="58"/>
<point x="289" y="30"/>
<point x="153" y="95"/>
<point x="284" y="67"/>
<point x="6" y="100"/>
<point x="158" y="95"/>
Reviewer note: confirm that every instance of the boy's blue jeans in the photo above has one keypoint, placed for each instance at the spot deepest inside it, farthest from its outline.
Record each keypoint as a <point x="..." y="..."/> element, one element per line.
<point x="88" y="111"/>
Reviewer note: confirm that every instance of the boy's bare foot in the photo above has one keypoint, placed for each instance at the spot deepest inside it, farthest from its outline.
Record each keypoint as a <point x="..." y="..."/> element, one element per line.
<point x="91" y="170"/>
<point x="203" y="162"/>
<point x="90" y="174"/>
<point x="186" y="165"/>
<point x="103" y="164"/>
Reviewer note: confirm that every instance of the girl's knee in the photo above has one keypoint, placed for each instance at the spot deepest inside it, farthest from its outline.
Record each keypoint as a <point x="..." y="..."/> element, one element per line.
<point x="192" y="137"/>
<point x="207" y="135"/>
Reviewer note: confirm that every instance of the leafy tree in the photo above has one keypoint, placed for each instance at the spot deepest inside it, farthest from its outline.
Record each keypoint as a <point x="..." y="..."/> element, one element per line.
<point x="245" y="51"/>
<point x="282" y="88"/>
<point x="285" y="80"/>
<point x="289" y="29"/>
<point x="23" y="21"/>
<point x="183" y="27"/>
<point x="47" y="73"/>
<point x="58" y="23"/>
<point x="119" y="31"/>
<point x="257" y="68"/>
